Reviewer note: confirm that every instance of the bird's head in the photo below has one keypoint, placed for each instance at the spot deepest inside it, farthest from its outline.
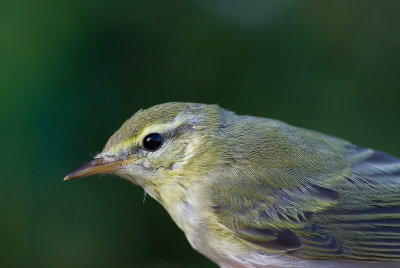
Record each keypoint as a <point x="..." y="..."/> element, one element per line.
<point x="166" y="145"/>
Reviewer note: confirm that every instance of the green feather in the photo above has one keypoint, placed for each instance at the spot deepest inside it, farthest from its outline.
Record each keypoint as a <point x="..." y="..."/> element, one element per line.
<point x="306" y="194"/>
<point x="248" y="190"/>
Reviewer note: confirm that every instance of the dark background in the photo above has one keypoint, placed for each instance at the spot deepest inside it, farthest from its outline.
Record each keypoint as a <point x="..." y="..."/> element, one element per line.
<point x="72" y="71"/>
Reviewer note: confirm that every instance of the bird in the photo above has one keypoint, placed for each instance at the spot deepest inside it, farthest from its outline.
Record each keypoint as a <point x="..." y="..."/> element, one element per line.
<point x="256" y="192"/>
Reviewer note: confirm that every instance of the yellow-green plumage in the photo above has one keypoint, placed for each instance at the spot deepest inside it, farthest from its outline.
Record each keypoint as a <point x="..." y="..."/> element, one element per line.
<point x="256" y="192"/>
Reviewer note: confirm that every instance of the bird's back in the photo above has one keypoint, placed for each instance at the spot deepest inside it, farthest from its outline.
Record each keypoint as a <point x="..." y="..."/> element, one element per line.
<point x="299" y="193"/>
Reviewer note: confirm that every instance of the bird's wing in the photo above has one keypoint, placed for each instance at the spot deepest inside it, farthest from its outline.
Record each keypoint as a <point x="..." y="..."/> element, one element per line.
<point x="366" y="220"/>
<point x="351" y="212"/>
<point x="278" y="221"/>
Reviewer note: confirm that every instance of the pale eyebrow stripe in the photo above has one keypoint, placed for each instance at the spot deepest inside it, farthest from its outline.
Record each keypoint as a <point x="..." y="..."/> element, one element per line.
<point x="176" y="132"/>
<point x="169" y="131"/>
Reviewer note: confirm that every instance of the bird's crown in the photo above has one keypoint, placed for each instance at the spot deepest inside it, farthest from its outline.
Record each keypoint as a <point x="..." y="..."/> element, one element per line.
<point x="161" y="118"/>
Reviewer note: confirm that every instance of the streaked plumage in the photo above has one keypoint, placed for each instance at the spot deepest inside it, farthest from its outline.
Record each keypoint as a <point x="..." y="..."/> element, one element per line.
<point x="256" y="192"/>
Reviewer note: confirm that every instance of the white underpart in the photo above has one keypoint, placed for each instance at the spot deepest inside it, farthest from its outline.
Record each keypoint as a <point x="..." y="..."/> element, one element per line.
<point x="227" y="254"/>
<point x="188" y="221"/>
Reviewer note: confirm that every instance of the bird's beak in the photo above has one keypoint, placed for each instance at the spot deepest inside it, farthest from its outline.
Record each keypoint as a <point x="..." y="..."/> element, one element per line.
<point x="95" y="166"/>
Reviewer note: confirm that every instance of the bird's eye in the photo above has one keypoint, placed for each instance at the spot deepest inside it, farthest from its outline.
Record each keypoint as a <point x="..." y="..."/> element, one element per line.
<point x="152" y="142"/>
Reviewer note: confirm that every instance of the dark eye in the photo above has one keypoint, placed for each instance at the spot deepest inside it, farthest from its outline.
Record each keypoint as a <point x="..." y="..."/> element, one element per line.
<point x="152" y="142"/>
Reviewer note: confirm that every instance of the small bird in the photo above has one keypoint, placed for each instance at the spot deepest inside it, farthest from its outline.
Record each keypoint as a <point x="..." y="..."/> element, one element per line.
<point x="257" y="192"/>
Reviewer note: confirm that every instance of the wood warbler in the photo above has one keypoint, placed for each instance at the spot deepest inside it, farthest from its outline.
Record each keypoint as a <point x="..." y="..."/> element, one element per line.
<point x="256" y="192"/>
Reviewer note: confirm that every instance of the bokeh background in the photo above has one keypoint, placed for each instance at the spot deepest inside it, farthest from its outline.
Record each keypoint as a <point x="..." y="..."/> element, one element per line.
<point x="72" y="71"/>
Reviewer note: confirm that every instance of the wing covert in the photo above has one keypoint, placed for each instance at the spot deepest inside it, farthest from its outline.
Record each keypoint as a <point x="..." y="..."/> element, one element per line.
<point x="355" y="215"/>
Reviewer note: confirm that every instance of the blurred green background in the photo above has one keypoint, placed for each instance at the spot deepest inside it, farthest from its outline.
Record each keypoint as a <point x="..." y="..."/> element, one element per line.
<point x="72" y="71"/>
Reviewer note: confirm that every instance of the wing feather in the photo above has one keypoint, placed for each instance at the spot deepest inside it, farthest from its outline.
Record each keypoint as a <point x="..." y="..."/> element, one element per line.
<point x="356" y="215"/>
